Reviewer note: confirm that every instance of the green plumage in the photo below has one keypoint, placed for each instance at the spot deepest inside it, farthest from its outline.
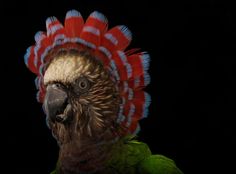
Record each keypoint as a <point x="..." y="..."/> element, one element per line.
<point x="130" y="156"/>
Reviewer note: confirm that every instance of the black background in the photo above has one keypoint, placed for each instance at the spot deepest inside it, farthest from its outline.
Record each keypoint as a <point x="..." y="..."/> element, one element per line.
<point x="193" y="47"/>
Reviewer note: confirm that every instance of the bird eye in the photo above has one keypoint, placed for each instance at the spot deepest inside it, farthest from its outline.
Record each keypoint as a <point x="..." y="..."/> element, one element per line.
<point x="82" y="85"/>
<point x="56" y="85"/>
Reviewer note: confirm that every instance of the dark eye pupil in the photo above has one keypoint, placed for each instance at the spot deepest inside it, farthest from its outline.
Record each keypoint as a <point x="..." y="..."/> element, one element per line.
<point x="82" y="85"/>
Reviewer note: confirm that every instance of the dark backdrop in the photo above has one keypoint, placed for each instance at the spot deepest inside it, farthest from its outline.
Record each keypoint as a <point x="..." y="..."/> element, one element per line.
<point x="193" y="47"/>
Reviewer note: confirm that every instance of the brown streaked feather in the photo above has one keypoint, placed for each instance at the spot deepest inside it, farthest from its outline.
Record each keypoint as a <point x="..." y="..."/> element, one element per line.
<point x="94" y="113"/>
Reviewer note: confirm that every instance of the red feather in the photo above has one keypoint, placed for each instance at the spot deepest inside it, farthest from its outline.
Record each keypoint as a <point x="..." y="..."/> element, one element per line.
<point x="94" y="27"/>
<point x="118" y="37"/>
<point x="30" y="59"/>
<point x="73" y="24"/>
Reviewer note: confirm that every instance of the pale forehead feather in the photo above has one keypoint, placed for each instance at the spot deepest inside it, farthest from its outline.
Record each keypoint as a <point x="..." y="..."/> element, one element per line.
<point x="65" y="69"/>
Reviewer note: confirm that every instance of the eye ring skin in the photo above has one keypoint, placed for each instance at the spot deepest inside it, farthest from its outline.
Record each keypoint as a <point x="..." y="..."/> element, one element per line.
<point x="81" y="85"/>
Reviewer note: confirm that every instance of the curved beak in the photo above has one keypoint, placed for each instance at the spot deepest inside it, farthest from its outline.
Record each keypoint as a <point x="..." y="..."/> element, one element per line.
<point x="55" y="103"/>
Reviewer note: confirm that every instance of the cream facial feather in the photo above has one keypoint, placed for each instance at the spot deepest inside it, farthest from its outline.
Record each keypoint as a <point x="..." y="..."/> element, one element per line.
<point x="66" y="68"/>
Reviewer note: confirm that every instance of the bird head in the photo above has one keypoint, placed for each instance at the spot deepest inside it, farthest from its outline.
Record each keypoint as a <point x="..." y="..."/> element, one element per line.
<point x="81" y="99"/>
<point x="90" y="86"/>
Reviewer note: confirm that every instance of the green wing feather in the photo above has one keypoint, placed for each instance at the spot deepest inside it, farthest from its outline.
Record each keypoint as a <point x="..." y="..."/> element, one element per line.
<point x="158" y="164"/>
<point x="133" y="157"/>
<point x="127" y="153"/>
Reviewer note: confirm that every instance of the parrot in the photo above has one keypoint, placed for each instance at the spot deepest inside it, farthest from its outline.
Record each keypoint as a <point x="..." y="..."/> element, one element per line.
<point x="92" y="93"/>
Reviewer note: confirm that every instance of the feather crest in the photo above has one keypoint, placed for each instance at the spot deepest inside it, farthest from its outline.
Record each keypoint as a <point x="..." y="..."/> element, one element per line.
<point x="129" y="69"/>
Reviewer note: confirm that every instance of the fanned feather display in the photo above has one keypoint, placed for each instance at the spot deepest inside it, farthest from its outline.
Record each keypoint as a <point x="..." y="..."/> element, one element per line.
<point x="129" y="68"/>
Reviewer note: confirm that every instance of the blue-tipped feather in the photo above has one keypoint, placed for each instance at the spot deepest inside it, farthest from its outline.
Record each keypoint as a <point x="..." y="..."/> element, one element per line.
<point x="146" y="105"/>
<point x="126" y="86"/>
<point x="92" y="30"/>
<point x="50" y="20"/>
<point x="137" y="81"/>
<point x="59" y="40"/>
<point x="130" y="114"/>
<point x="147" y="78"/>
<point x="39" y="36"/>
<point x="145" y="60"/>
<point x="99" y="16"/>
<point x="83" y="42"/>
<point x="60" y="37"/>
<point x="105" y="51"/>
<point x="26" y="56"/>
<point x="88" y="44"/>
<point x="72" y="13"/>
<point x="45" y="53"/>
<point x="36" y="49"/>
<point x="125" y="62"/>
<point x="58" y="43"/>
<point x="125" y="30"/>
<point x="55" y="28"/>
<point x="131" y="94"/>
<point x="114" y="70"/>
<point x="120" y="117"/>
<point x="129" y="70"/>
<point x="111" y="38"/>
